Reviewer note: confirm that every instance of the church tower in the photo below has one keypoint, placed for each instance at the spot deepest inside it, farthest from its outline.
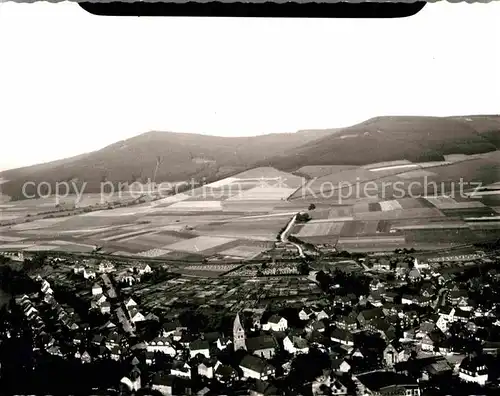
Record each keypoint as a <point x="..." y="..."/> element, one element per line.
<point x="239" y="339"/>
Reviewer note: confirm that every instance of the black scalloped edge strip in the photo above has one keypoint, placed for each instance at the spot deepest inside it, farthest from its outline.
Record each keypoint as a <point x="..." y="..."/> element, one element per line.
<point x="308" y="9"/>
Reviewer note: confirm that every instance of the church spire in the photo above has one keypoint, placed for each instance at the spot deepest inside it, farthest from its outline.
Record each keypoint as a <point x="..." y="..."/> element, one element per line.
<point x="239" y="340"/>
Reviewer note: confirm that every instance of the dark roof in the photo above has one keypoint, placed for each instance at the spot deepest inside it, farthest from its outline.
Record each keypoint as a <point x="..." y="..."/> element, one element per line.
<point x="254" y="363"/>
<point x="382" y="379"/>
<point x="198" y="345"/>
<point x="261" y="342"/>
<point x="369" y="314"/>
<point x="472" y="363"/>
<point x="341" y="334"/>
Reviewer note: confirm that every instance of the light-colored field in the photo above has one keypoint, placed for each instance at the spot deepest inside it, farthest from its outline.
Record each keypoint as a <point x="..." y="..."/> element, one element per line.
<point x="399" y="214"/>
<point x="345" y="211"/>
<point x="170" y="200"/>
<point x="370" y="240"/>
<point x="415" y="174"/>
<point x="386" y="164"/>
<point x="7" y="217"/>
<point x="6" y="238"/>
<point x="195" y="206"/>
<point x="394" y="167"/>
<point x="129" y="211"/>
<point x="462" y="205"/>
<point x="153" y="253"/>
<point x="263" y="193"/>
<point x="41" y="248"/>
<point x="390" y="205"/>
<point x="315" y="229"/>
<point x="440" y="201"/>
<point x="16" y="245"/>
<point x="242" y="251"/>
<point x="323" y="170"/>
<point x="434" y="226"/>
<point x="122" y="236"/>
<point x="37" y="224"/>
<point x="211" y="267"/>
<point x="199" y="244"/>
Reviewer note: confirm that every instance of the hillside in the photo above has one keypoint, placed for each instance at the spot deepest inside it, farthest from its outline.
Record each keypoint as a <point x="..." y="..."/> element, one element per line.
<point x="394" y="138"/>
<point x="187" y="156"/>
<point x="183" y="156"/>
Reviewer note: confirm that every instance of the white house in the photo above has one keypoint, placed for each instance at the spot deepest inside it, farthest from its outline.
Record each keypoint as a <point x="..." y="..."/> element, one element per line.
<point x="105" y="307"/>
<point x="88" y="274"/>
<point x="130" y="303"/>
<point x="96" y="289"/>
<point x="181" y="369"/>
<point x="161" y="344"/>
<point x="295" y="345"/>
<point x="205" y="369"/>
<point x="46" y="289"/>
<point x="136" y="316"/>
<point x="144" y="269"/>
<point x="223" y="343"/>
<point x="276" y="323"/>
<point x="305" y="313"/>
<point x="473" y="369"/>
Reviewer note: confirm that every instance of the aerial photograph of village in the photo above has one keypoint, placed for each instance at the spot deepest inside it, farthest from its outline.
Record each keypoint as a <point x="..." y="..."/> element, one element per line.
<point x="356" y="260"/>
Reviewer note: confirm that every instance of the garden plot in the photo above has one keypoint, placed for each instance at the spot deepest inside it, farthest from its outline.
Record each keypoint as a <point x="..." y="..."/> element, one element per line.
<point x="199" y="244"/>
<point x="389" y="205"/>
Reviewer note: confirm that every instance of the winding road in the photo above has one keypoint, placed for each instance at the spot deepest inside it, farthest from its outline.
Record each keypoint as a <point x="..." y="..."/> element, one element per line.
<point x="284" y="236"/>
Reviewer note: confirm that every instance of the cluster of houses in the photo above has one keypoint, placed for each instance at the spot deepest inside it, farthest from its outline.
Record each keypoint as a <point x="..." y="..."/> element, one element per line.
<point x="415" y="323"/>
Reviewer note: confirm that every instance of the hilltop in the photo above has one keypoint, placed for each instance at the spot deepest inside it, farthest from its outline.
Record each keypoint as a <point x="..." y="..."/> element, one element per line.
<point x="185" y="156"/>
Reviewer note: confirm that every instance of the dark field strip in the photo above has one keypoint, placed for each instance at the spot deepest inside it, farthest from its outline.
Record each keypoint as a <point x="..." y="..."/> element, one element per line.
<point x="469" y="212"/>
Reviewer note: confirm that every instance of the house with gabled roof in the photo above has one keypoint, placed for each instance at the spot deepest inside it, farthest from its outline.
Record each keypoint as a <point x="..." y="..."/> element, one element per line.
<point x="275" y="323"/>
<point x="342" y="337"/>
<point x="295" y="345"/>
<point x="254" y="367"/>
<point x="199" y="347"/>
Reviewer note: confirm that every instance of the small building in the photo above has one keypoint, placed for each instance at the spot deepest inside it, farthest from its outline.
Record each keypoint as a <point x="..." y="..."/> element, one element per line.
<point x="295" y="345"/>
<point x="96" y="289"/>
<point x="474" y="369"/>
<point x="254" y="367"/>
<point x="199" y="347"/>
<point x="276" y="323"/>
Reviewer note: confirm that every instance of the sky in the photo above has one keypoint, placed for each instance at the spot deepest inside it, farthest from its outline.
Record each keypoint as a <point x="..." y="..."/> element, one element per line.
<point x="72" y="82"/>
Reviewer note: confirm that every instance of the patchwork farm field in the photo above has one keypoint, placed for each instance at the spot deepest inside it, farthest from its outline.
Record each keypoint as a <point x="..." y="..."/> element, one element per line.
<point x="240" y="217"/>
